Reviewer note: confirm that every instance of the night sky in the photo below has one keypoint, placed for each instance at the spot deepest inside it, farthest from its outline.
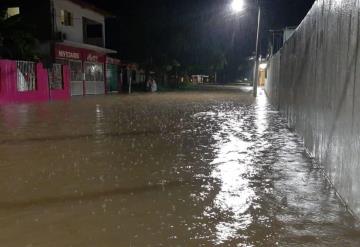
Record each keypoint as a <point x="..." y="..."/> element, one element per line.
<point x="190" y="30"/>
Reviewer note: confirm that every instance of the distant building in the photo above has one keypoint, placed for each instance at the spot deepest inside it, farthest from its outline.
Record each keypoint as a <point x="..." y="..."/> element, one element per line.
<point x="200" y="79"/>
<point x="287" y="33"/>
<point x="132" y="76"/>
<point x="70" y="32"/>
<point x="278" y="38"/>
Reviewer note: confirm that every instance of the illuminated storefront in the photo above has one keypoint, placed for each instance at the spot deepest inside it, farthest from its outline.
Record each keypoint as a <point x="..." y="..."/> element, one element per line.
<point x="87" y="69"/>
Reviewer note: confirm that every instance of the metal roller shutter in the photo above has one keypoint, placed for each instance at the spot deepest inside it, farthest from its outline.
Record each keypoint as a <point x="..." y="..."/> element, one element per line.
<point x="77" y="88"/>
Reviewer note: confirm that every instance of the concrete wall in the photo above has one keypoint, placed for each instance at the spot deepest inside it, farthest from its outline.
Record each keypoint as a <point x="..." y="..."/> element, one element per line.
<point x="315" y="82"/>
<point x="288" y="32"/>
<point x="273" y="77"/>
<point x="8" y="84"/>
<point x="75" y="33"/>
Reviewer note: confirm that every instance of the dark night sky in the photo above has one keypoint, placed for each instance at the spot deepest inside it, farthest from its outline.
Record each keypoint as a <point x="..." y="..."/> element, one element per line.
<point x="189" y="29"/>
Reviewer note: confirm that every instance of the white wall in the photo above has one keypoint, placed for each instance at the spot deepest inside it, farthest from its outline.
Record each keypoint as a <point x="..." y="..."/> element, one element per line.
<point x="316" y="85"/>
<point x="75" y="33"/>
<point x="288" y="32"/>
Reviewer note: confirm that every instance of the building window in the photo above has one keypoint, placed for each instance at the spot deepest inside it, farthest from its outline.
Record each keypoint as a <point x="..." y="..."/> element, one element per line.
<point x="76" y="71"/>
<point x="66" y="18"/>
<point x="12" y="12"/>
<point x="26" y="76"/>
<point x="94" y="71"/>
<point x="56" y="77"/>
<point x="93" y="32"/>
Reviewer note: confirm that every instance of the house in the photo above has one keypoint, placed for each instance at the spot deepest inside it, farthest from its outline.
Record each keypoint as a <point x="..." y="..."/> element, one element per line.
<point x="132" y="75"/>
<point x="278" y="38"/>
<point x="200" y="79"/>
<point x="70" y="32"/>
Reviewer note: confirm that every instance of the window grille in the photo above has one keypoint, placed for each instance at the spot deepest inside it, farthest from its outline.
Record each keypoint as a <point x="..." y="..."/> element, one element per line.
<point x="94" y="71"/>
<point x="26" y="76"/>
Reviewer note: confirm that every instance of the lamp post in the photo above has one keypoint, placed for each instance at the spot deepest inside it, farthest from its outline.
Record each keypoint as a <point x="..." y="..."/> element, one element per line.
<point x="256" y="69"/>
<point x="239" y="6"/>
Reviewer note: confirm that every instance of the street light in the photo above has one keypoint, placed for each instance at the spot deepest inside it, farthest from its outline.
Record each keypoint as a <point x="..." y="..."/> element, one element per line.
<point x="263" y="66"/>
<point x="238" y="6"/>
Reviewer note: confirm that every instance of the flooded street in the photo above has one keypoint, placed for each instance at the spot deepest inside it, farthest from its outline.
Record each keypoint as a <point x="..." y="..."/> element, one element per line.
<point x="201" y="168"/>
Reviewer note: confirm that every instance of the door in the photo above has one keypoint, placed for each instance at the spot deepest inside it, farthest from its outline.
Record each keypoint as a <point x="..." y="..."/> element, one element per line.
<point x="94" y="78"/>
<point x="76" y="78"/>
<point x="112" y="77"/>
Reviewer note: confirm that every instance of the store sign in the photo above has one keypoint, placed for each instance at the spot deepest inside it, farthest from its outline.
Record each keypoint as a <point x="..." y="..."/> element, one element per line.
<point x="92" y="58"/>
<point x="75" y="53"/>
<point x="68" y="54"/>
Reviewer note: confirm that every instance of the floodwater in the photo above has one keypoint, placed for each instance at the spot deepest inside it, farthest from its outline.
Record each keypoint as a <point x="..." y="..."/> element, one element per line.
<point x="201" y="168"/>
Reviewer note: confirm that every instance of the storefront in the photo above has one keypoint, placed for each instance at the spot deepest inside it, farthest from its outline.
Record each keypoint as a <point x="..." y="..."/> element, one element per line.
<point x="113" y="75"/>
<point x="87" y="69"/>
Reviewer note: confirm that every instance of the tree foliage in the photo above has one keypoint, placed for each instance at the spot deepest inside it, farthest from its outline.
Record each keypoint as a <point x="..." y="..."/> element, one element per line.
<point x="16" y="39"/>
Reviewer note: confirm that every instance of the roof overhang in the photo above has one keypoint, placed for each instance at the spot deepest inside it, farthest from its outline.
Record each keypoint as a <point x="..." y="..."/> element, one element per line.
<point x="87" y="46"/>
<point x="86" y="5"/>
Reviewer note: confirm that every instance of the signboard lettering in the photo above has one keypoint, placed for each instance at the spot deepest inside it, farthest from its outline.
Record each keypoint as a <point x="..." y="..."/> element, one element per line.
<point x="92" y="58"/>
<point x="68" y="54"/>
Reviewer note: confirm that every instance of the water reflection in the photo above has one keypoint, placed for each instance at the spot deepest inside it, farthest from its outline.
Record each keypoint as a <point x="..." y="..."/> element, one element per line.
<point x="18" y="120"/>
<point x="99" y="122"/>
<point x="231" y="166"/>
<point x="261" y="111"/>
<point x="234" y="166"/>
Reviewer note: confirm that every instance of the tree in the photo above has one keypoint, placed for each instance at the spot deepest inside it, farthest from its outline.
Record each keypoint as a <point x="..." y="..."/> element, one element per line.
<point x="16" y="40"/>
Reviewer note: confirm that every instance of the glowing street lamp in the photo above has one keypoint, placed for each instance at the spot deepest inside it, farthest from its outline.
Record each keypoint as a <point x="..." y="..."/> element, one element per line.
<point x="263" y="66"/>
<point x="237" y="5"/>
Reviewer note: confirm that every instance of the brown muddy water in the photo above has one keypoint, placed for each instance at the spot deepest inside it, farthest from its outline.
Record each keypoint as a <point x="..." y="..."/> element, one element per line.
<point x="202" y="168"/>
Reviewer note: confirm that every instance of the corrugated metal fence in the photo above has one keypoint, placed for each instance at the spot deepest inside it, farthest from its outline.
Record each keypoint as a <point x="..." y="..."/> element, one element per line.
<point x="315" y="83"/>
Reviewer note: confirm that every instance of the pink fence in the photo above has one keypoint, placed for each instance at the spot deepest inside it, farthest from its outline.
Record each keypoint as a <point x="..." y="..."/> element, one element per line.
<point x="29" y="82"/>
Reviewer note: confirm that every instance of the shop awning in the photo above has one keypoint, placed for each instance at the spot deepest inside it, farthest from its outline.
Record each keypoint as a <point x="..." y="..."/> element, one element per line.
<point x="87" y="46"/>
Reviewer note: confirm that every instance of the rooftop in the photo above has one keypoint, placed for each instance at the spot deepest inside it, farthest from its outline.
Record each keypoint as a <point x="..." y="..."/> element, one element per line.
<point x="87" y="5"/>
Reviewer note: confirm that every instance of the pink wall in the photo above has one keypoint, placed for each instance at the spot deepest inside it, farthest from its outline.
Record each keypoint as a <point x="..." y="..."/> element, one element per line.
<point x="8" y="85"/>
<point x="7" y="78"/>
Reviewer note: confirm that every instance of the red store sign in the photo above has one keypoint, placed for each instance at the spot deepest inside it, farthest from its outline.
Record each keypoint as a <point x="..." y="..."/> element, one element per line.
<point x="92" y="58"/>
<point x="74" y="53"/>
<point x="68" y="54"/>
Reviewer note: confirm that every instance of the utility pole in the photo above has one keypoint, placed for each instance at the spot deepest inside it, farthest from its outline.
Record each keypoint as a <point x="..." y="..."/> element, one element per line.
<point x="130" y="81"/>
<point x="256" y="65"/>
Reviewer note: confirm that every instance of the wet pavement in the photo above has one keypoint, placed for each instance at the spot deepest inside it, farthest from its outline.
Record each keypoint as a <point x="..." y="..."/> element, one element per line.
<point x="212" y="167"/>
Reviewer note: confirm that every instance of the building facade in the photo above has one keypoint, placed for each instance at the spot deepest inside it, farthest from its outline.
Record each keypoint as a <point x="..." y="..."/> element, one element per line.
<point x="70" y="32"/>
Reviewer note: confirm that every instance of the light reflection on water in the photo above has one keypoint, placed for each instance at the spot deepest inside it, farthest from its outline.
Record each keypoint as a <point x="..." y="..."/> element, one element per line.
<point x="232" y="165"/>
<point x="235" y="195"/>
<point x="99" y="121"/>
